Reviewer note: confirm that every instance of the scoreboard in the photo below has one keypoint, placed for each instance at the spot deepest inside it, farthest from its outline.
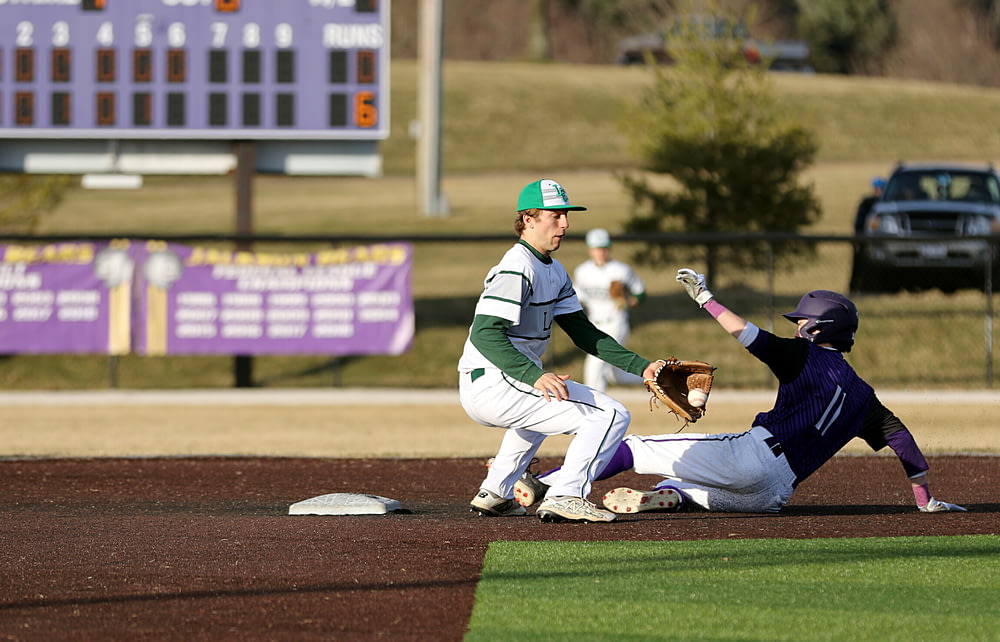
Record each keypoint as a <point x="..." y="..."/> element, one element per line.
<point x="194" y="69"/>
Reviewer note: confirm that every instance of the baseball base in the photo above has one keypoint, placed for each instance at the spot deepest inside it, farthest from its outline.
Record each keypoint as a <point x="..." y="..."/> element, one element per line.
<point x="345" y="504"/>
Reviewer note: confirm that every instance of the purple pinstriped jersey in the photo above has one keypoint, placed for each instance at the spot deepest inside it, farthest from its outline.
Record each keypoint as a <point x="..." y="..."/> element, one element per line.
<point x="821" y="403"/>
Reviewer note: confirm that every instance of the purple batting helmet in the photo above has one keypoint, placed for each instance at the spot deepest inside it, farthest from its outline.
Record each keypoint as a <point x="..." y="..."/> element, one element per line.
<point x="831" y="318"/>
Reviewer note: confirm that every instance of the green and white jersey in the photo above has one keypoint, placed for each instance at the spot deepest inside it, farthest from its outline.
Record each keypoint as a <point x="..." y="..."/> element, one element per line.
<point x="529" y="290"/>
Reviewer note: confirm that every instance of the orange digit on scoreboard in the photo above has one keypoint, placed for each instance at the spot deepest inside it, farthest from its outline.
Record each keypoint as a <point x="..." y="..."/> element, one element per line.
<point x="365" y="111"/>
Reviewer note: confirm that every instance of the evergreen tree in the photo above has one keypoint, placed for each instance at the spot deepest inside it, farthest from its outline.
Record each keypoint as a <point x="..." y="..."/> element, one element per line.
<point x="847" y="37"/>
<point x="711" y="123"/>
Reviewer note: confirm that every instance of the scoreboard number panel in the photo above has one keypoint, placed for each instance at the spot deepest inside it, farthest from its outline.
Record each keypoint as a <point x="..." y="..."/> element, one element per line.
<point x="309" y="70"/>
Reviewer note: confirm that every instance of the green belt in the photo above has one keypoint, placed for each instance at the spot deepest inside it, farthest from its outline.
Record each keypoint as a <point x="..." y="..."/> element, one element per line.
<point x="478" y="372"/>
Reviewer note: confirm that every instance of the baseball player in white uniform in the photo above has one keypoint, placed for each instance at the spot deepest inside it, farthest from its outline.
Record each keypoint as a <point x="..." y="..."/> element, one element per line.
<point x="502" y="382"/>
<point x="592" y="280"/>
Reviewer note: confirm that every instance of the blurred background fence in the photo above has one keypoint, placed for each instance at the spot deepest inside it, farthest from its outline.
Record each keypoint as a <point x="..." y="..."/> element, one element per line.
<point x="914" y="339"/>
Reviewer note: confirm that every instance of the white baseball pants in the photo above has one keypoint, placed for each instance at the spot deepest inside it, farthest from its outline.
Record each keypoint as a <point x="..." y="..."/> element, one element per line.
<point x="742" y="473"/>
<point x="597" y="422"/>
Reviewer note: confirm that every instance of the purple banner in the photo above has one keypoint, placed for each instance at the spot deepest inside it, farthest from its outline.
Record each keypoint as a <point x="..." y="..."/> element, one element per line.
<point x="65" y="297"/>
<point x="195" y="300"/>
<point x="157" y="298"/>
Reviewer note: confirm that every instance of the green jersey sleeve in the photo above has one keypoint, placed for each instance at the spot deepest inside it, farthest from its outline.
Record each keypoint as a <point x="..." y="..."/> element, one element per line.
<point x="489" y="336"/>
<point x="588" y="338"/>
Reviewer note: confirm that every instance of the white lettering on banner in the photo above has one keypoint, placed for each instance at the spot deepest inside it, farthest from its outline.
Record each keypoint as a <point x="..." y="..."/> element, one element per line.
<point x="378" y="298"/>
<point x="256" y="278"/>
<point x="289" y="299"/>
<point x="288" y="314"/>
<point x="242" y="331"/>
<point x="34" y="297"/>
<point x="32" y="314"/>
<point x="82" y="313"/>
<point x="3" y="314"/>
<point x="195" y="331"/>
<point x="191" y="315"/>
<point x="378" y="315"/>
<point x="78" y="297"/>
<point x="245" y="299"/>
<point x="332" y="330"/>
<point x="286" y="331"/>
<point x="17" y="277"/>
<point x="299" y="283"/>
<point x="3" y="298"/>
<point x="333" y="315"/>
<point x="196" y="298"/>
<point x="242" y="315"/>
<point x="333" y="300"/>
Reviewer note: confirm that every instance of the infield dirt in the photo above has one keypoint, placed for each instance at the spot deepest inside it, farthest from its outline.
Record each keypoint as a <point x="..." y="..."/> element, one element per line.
<point x="112" y="530"/>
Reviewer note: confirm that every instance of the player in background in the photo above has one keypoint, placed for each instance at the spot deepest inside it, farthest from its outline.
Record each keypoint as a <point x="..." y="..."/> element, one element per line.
<point x="821" y="404"/>
<point x="607" y="305"/>
<point x="502" y="382"/>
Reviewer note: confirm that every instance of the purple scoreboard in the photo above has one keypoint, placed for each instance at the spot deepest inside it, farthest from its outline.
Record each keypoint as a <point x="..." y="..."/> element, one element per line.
<point x="193" y="70"/>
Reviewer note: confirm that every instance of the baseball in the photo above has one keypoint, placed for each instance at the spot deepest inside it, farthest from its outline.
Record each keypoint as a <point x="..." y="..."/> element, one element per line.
<point x="697" y="397"/>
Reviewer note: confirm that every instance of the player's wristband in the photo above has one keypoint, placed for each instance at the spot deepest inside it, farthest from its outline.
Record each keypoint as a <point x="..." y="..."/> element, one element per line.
<point x="714" y="308"/>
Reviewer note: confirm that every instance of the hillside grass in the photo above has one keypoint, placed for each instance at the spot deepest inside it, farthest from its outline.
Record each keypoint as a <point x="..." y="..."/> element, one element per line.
<point x="508" y="124"/>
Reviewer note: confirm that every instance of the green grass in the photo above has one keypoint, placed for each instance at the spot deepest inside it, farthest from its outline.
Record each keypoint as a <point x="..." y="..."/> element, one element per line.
<point x="900" y="588"/>
<point x="505" y="124"/>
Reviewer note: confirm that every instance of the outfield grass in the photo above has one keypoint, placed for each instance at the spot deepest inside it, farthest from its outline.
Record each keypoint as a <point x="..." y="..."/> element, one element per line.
<point x="899" y="588"/>
<point x="505" y="124"/>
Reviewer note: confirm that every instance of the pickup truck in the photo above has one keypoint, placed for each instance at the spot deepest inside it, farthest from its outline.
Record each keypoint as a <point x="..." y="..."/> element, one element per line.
<point x="931" y="228"/>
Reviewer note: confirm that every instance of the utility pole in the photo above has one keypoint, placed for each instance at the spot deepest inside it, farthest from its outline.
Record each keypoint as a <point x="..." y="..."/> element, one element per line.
<point x="429" y="48"/>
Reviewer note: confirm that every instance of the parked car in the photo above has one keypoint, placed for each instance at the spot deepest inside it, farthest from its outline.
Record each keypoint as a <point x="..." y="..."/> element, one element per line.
<point x="917" y="234"/>
<point x="780" y="55"/>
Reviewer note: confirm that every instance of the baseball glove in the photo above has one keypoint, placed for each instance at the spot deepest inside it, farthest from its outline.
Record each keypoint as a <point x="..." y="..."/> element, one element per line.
<point x="619" y="294"/>
<point x="683" y="387"/>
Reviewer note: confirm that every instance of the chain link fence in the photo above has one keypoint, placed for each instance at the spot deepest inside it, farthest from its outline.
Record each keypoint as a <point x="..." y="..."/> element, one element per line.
<point x="911" y="339"/>
<point x="938" y="332"/>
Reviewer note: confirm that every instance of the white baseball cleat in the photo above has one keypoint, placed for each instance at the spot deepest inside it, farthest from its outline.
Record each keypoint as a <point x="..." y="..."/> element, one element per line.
<point x="491" y="505"/>
<point x="626" y="500"/>
<point x="572" y="509"/>
<point x="529" y="490"/>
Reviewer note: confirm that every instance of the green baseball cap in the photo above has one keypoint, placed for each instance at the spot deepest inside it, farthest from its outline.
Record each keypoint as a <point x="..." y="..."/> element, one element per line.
<point x="545" y="195"/>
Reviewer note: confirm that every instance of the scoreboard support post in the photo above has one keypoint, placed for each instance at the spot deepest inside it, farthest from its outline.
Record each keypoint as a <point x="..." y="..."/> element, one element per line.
<point x="246" y="161"/>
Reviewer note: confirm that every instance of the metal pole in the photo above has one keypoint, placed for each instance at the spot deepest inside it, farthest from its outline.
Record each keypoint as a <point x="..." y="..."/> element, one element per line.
<point x="988" y="322"/>
<point x="429" y="47"/>
<point x="246" y="161"/>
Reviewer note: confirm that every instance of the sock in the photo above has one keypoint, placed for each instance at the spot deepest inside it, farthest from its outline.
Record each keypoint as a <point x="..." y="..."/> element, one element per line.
<point x="922" y="494"/>
<point x="620" y="462"/>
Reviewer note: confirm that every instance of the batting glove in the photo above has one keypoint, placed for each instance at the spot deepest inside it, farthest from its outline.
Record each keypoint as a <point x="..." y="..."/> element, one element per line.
<point x="694" y="283"/>
<point x="934" y="506"/>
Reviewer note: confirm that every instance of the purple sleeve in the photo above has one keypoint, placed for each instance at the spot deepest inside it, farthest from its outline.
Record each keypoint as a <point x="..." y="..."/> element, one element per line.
<point x="909" y="454"/>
